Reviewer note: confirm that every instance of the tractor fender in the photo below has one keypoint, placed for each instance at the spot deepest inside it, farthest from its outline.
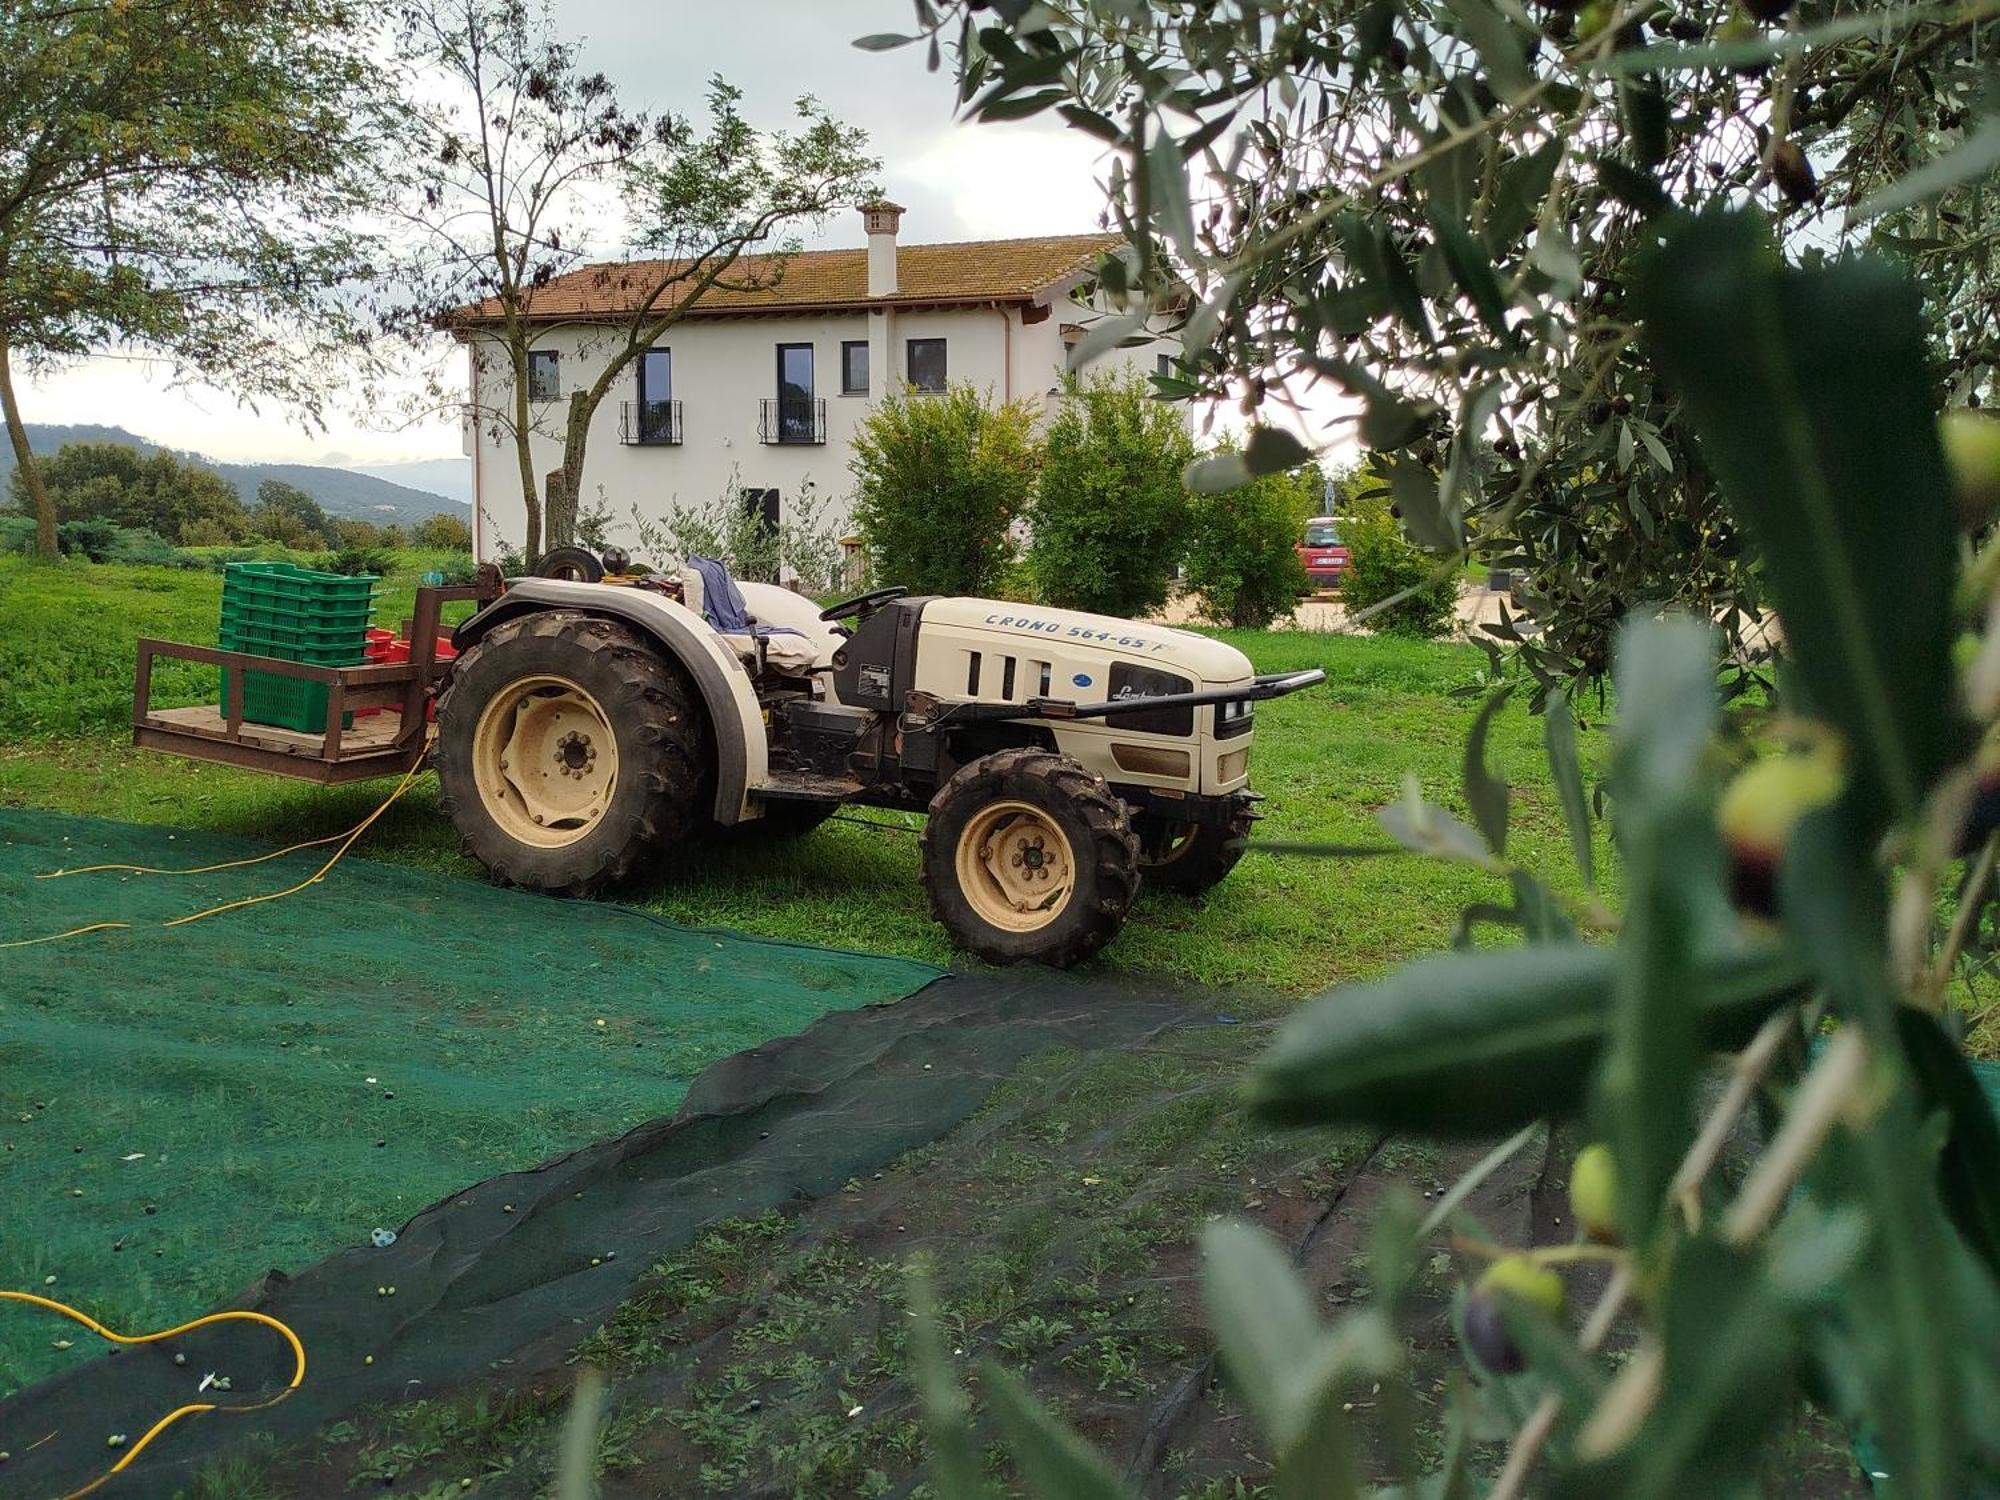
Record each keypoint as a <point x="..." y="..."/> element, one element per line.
<point x="742" y="751"/>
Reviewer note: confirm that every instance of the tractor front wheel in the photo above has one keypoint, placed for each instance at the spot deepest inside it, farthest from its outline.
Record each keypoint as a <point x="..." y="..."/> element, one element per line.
<point x="1189" y="858"/>
<point x="1028" y="857"/>
<point x="569" y="752"/>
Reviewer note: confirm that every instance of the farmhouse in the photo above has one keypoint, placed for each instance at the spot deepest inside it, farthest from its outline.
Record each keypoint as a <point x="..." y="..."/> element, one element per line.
<point x="765" y="381"/>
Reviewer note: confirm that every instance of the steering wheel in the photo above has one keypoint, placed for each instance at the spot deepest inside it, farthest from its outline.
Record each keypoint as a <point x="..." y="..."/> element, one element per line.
<point x="862" y="604"/>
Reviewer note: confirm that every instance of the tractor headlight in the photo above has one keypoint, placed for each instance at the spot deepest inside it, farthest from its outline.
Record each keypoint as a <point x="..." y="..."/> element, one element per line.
<point x="1233" y="718"/>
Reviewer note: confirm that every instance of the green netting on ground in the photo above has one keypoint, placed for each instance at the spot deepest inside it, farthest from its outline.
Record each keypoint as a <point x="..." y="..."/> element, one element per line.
<point x="184" y="1109"/>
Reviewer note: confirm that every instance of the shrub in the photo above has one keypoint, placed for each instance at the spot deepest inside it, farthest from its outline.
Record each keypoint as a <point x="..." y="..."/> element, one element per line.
<point x="102" y="541"/>
<point x="447" y="533"/>
<point x="1111" y="514"/>
<point x="729" y="528"/>
<point x="357" y="562"/>
<point x="17" y="532"/>
<point x="939" y="482"/>
<point x="1242" y="557"/>
<point x="1382" y="564"/>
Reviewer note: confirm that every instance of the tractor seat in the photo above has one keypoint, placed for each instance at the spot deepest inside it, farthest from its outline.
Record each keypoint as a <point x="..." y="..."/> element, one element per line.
<point x="710" y="592"/>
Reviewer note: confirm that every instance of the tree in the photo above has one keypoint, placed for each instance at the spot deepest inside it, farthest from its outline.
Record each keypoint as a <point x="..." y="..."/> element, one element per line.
<point x="443" y="531"/>
<point x="502" y="211"/>
<point x="939" y="481"/>
<point x="158" y="492"/>
<point x="1384" y="570"/>
<point x="285" y="513"/>
<point x="179" y="176"/>
<point x="496" y="200"/>
<point x="1439" y="207"/>
<point x="1242" y="556"/>
<point x="1110" y="513"/>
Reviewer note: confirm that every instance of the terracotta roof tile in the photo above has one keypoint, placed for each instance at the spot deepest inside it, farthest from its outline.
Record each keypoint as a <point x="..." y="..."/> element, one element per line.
<point x="971" y="271"/>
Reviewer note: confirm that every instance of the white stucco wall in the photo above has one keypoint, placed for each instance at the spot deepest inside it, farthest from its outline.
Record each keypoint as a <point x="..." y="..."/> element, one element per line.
<point x="723" y="368"/>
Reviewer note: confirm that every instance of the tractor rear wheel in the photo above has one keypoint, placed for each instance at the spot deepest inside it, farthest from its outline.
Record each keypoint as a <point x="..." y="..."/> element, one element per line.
<point x="1029" y="857"/>
<point x="1189" y="858"/>
<point x="569" y="752"/>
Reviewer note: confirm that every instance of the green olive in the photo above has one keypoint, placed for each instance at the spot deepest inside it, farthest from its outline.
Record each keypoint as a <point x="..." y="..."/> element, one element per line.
<point x="1593" y="1192"/>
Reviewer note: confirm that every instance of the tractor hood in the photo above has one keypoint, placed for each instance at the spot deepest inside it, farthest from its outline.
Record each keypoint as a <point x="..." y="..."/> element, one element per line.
<point x="1196" y="656"/>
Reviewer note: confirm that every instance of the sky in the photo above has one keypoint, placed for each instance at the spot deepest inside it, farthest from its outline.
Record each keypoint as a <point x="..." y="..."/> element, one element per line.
<point x="957" y="181"/>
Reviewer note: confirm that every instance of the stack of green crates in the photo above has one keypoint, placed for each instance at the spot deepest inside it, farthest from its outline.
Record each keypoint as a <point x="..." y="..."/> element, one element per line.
<point x="278" y="609"/>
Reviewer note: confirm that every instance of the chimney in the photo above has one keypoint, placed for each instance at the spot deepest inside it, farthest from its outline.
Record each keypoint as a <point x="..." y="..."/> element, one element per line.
<point x="880" y="218"/>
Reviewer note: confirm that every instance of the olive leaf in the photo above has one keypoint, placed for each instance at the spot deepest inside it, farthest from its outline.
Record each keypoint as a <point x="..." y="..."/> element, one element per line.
<point x="1486" y="1040"/>
<point x="1665" y="676"/>
<point x="1973" y="158"/>
<point x="1425" y="828"/>
<point x="1056" y="1462"/>
<point x="1485" y="793"/>
<point x="1566" y="770"/>
<point x="1816" y="414"/>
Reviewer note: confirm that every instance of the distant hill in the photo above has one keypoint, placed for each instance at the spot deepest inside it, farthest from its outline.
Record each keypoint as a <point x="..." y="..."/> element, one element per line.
<point x="346" y="494"/>
<point x="450" y="477"/>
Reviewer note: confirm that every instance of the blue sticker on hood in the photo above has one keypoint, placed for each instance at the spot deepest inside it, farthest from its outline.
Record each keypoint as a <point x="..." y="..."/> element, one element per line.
<point x="1082" y="679"/>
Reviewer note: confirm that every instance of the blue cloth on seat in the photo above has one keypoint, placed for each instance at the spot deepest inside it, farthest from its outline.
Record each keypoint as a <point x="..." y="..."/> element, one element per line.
<point x="722" y="601"/>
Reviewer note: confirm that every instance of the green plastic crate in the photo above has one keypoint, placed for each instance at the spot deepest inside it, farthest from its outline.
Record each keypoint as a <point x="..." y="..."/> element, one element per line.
<point x="315" y="617"/>
<point x="288" y="702"/>
<point x="292" y="641"/>
<point x="286" y="583"/>
<point x="295" y="614"/>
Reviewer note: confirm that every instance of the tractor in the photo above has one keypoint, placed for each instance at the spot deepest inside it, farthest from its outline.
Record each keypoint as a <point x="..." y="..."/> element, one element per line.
<point x="591" y="728"/>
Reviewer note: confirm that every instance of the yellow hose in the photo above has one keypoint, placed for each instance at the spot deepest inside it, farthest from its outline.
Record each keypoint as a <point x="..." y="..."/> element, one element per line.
<point x="193" y="1408"/>
<point x="345" y="840"/>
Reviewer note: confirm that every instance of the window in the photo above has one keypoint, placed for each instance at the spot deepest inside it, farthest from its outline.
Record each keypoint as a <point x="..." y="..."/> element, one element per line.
<point x="1163" y="364"/>
<point x="795" y="394"/>
<point x="544" y="375"/>
<point x="927" y="364"/>
<point x="656" y="375"/>
<point x="656" y="397"/>
<point x="1322" y="533"/>
<point x="854" y="367"/>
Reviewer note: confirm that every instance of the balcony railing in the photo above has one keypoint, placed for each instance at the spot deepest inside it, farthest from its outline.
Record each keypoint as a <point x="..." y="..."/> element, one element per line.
<point x="650" y="423"/>
<point x="791" y="420"/>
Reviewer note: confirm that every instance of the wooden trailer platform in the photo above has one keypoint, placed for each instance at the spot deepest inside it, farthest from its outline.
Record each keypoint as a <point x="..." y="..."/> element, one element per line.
<point x="386" y="743"/>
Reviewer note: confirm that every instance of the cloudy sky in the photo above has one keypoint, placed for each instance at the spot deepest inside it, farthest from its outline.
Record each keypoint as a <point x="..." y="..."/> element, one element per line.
<point x="957" y="181"/>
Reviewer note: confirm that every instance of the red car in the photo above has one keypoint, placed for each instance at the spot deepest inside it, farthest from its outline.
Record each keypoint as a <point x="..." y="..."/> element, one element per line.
<point x="1323" y="553"/>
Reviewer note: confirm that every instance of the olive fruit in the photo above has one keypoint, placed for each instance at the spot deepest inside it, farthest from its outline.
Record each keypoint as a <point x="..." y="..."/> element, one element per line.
<point x="1758" y="813"/>
<point x="1793" y="173"/>
<point x="1972" y="454"/>
<point x="1740" y="28"/>
<point x="1593" y="1193"/>
<point x="1518" y="1280"/>
<point x="1983" y="816"/>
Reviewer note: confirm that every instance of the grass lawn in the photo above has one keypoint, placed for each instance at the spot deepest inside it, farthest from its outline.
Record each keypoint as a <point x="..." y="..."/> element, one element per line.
<point x="770" y="1356"/>
<point x="1326" y="758"/>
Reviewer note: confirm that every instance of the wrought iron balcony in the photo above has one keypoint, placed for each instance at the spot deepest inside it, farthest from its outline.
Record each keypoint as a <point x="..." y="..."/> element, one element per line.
<point x="791" y="420"/>
<point x="650" y="424"/>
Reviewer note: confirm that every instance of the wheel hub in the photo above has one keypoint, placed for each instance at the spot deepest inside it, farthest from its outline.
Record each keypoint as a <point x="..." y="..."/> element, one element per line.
<point x="1015" y="866"/>
<point x="546" y="761"/>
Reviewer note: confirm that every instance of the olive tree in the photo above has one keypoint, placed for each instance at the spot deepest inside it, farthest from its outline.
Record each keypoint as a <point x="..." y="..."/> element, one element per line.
<point x="1663" y="304"/>
<point x="1437" y="208"/>
<point x="183" y="177"/>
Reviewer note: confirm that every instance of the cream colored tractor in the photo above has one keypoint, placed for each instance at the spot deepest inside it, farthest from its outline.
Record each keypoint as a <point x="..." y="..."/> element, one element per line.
<point x="591" y="730"/>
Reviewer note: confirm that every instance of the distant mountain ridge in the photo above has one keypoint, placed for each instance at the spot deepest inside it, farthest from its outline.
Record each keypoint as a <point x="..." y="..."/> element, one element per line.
<point x="345" y="494"/>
